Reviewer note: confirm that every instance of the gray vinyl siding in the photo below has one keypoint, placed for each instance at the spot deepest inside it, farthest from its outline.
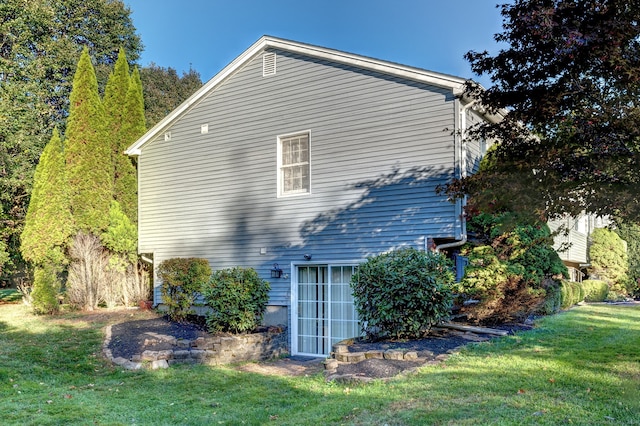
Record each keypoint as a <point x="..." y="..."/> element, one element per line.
<point x="379" y="147"/>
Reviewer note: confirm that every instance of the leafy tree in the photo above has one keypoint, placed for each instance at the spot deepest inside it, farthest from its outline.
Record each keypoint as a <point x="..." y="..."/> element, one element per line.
<point x="609" y="262"/>
<point x="568" y="84"/>
<point x="47" y="228"/>
<point x="88" y="157"/>
<point x="40" y="43"/>
<point x="164" y="90"/>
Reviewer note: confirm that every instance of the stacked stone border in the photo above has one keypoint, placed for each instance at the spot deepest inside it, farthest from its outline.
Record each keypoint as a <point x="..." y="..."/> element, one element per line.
<point x="215" y="350"/>
<point x="341" y="355"/>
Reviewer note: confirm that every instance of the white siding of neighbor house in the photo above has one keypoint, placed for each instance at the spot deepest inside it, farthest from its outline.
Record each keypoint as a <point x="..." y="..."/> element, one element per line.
<point x="379" y="147"/>
<point x="474" y="148"/>
<point x="572" y="247"/>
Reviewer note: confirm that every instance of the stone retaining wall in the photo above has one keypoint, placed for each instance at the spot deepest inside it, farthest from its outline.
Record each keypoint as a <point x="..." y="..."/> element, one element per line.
<point x="214" y="350"/>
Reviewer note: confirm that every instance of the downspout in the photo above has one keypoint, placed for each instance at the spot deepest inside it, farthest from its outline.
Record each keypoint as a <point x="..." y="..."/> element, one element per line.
<point x="463" y="173"/>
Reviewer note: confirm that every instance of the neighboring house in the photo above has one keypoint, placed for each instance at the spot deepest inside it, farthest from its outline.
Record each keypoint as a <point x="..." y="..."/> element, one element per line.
<point x="306" y="160"/>
<point x="572" y="241"/>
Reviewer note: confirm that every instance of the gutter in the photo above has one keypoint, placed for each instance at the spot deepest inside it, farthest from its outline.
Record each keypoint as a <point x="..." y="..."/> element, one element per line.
<point x="463" y="203"/>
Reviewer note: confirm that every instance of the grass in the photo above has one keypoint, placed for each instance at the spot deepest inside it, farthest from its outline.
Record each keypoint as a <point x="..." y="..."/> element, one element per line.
<point x="579" y="367"/>
<point x="8" y="295"/>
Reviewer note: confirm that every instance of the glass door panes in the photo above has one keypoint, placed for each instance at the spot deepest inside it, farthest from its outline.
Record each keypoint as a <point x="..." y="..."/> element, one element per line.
<point x="344" y="320"/>
<point x="326" y="313"/>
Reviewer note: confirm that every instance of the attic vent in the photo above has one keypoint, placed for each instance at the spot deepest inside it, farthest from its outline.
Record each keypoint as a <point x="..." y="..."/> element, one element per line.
<point x="268" y="64"/>
<point x="167" y="136"/>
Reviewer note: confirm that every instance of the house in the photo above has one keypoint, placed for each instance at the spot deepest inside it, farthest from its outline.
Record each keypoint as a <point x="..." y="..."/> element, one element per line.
<point x="572" y="241"/>
<point x="301" y="161"/>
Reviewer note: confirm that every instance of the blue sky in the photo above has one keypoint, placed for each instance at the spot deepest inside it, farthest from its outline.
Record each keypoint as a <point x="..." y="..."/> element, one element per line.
<point x="208" y="34"/>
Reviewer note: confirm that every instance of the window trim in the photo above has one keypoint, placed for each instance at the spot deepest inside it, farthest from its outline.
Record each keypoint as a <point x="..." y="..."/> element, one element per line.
<point x="280" y="190"/>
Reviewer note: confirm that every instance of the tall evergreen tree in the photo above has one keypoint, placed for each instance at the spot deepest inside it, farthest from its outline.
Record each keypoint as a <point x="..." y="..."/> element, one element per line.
<point x="132" y="127"/>
<point x="48" y="222"/>
<point x="115" y="96"/>
<point x="88" y="157"/>
<point x="115" y="99"/>
<point x="40" y="43"/>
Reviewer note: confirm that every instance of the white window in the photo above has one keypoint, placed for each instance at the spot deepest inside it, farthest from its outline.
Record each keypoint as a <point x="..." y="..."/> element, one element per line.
<point x="294" y="165"/>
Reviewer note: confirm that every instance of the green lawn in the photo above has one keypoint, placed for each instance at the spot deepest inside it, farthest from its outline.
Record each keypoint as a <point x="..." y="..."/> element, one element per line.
<point x="580" y="367"/>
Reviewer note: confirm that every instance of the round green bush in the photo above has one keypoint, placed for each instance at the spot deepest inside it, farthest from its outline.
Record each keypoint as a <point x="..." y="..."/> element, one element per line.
<point x="595" y="290"/>
<point x="402" y="293"/>
<point x="238" y="298"/>
<point x="182" y="280"/>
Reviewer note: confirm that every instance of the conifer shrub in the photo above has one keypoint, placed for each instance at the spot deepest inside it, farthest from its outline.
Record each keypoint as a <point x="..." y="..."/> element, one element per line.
<point x="238" y="298"/>
<point x="182" y="280"/>
<point x="401" y="294"/>
<point x="595" y="290"/>
<point x="44" y="293"/>
<point x="512" y="271"/>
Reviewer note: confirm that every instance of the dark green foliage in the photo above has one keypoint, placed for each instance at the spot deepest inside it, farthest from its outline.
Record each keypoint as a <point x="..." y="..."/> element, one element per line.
<point x="595" y="290"/>
<point x="512" y="274"/>
<point x="553" y="299"/>
<point x="40" y="43"/>
<point x="566" y="72"/>
<point x="164" y="90"/>
<point x="402" y="293"/>
<point x="47" y="228"/>
<point x="238" y="298"/>
<point x="182" y="280"/>
<point x="44" y="294"/>
<point x="88" y="157"/>
<point x="609" y="261"/>
<point x="4" y="255"/>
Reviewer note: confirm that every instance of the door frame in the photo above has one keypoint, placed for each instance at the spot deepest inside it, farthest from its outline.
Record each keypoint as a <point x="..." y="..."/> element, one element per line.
<point x="294" y="298"/>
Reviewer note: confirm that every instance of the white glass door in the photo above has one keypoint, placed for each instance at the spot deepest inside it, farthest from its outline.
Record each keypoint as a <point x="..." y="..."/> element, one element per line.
<point x="325" y="311"/>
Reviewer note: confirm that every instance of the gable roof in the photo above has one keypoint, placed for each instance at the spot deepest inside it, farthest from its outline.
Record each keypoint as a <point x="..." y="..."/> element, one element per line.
<point x="266" y="42"/>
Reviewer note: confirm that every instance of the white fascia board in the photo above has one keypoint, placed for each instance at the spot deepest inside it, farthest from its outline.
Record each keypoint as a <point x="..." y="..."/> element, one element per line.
<point x="265" y="42"/>
<point x="399" y="70"/>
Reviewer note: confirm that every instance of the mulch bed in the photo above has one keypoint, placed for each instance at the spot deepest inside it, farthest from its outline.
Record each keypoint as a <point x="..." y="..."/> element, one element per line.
<point x="128" y="339"/>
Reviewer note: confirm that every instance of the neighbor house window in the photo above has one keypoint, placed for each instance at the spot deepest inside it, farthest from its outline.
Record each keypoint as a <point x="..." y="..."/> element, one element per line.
<point x="294" y="166"/>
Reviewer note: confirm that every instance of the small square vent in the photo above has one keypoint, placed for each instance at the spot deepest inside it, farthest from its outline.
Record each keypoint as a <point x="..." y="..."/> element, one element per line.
<point x="268" y="64"/>
<point x="167" y="136"/>
<point x="204" y="129"/>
